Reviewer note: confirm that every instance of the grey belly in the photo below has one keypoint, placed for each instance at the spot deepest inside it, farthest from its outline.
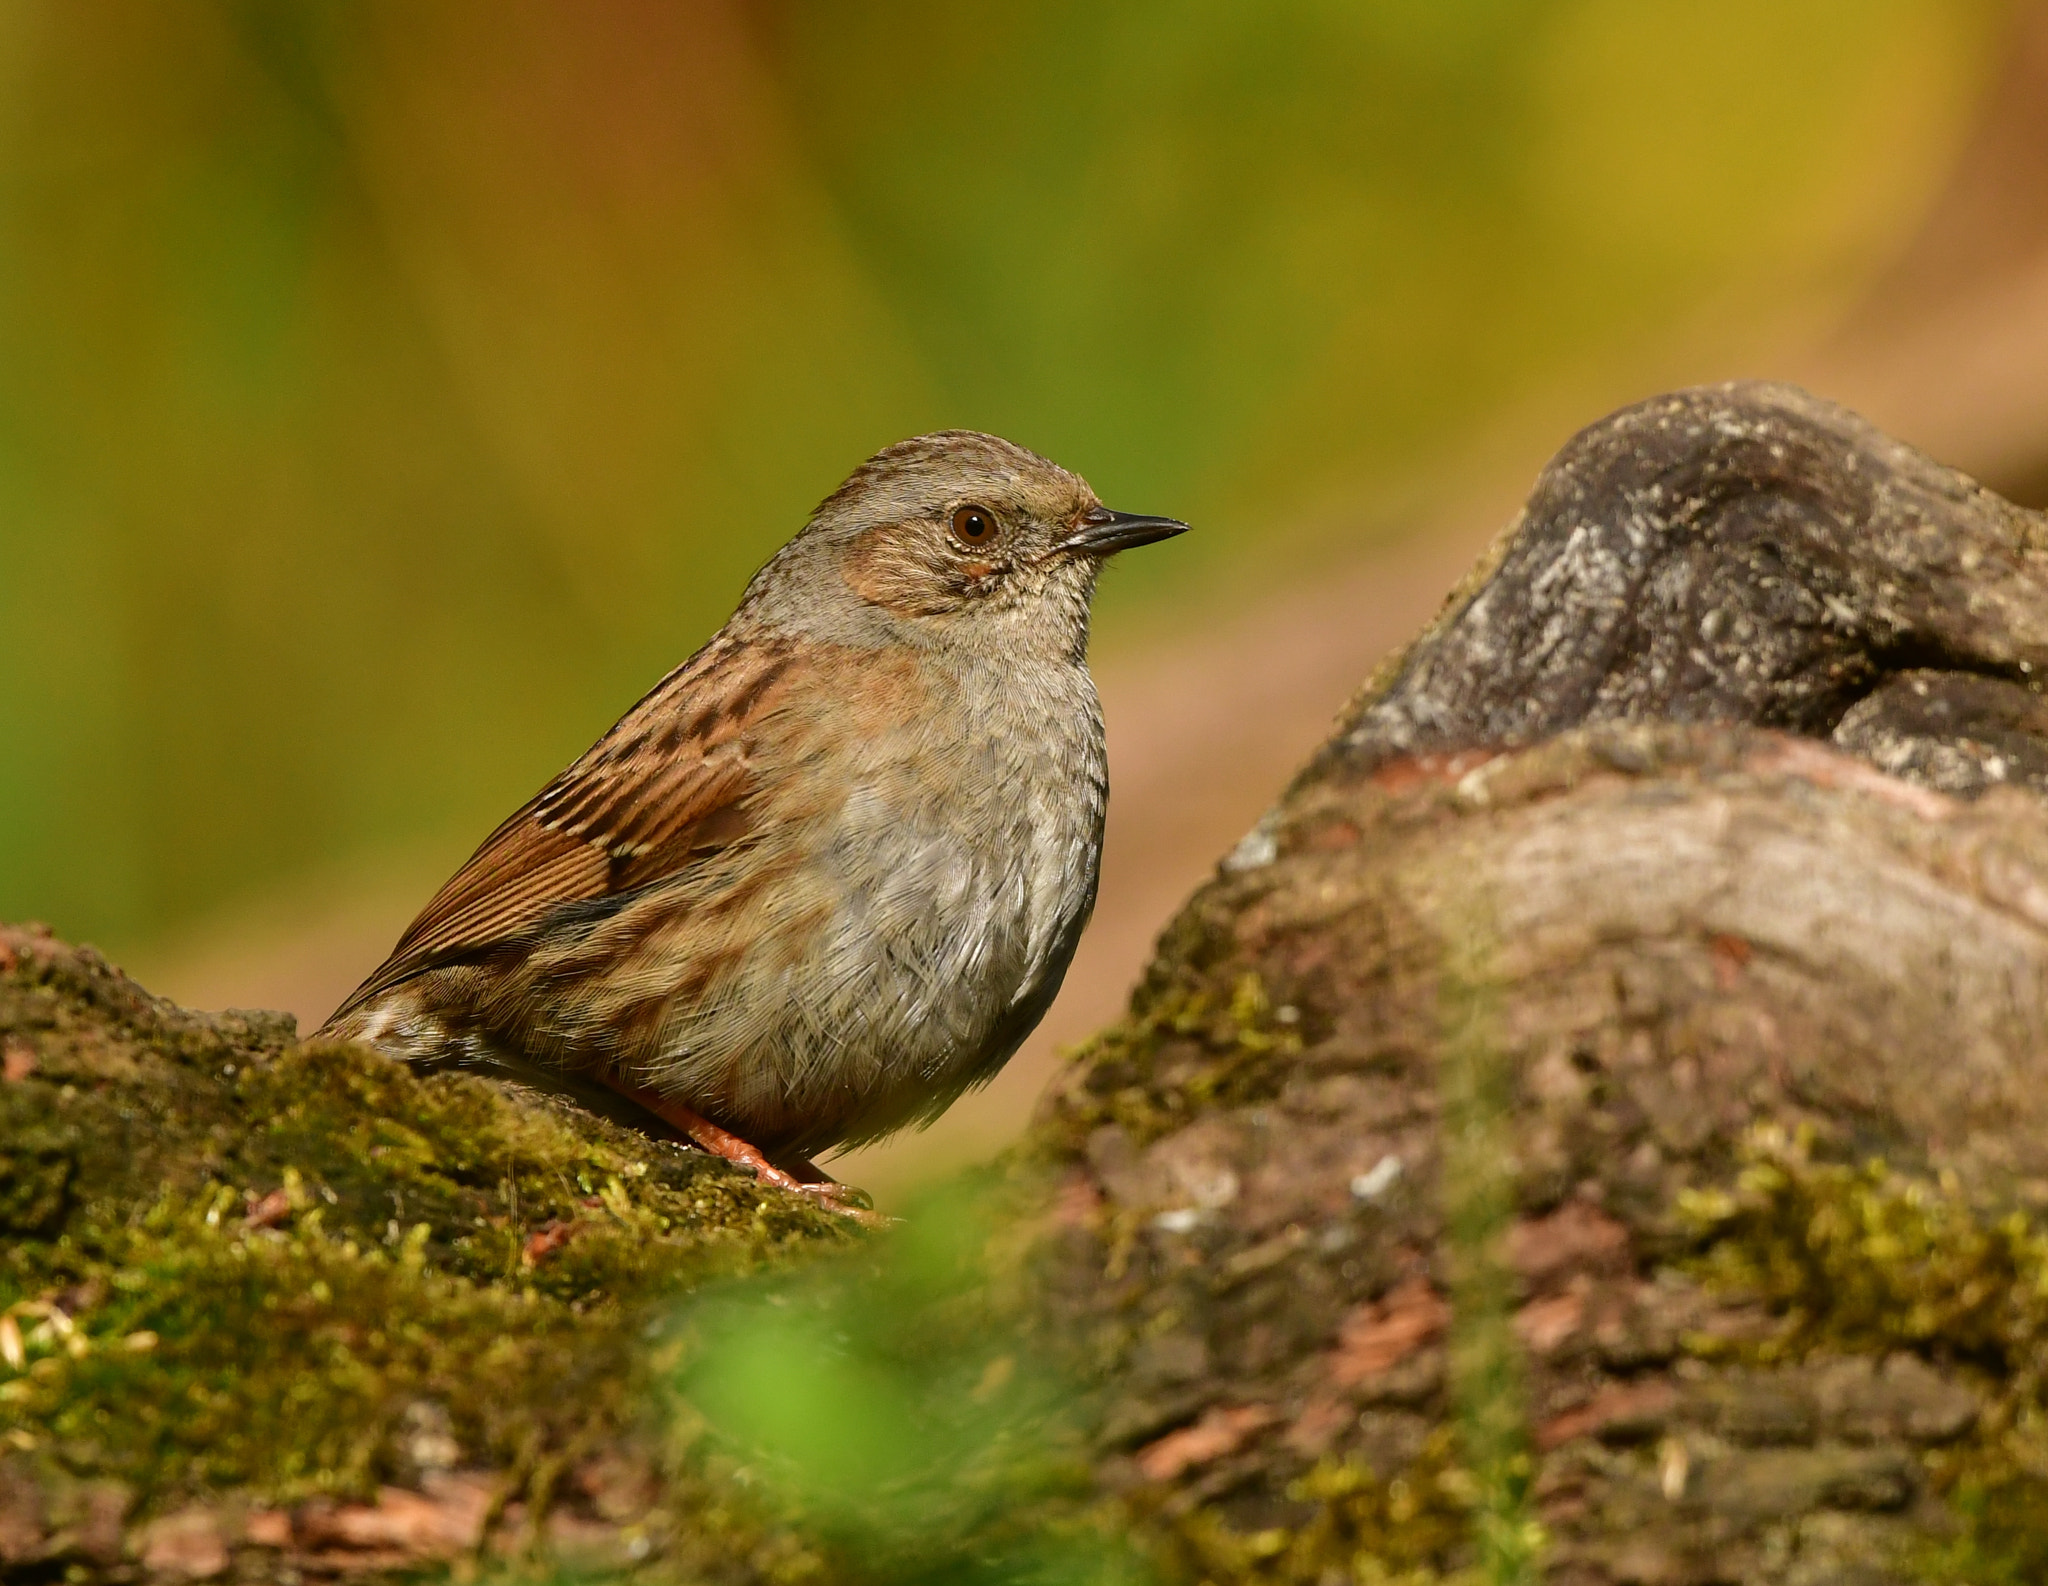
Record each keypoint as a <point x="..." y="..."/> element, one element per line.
<point x="943" y="950"/>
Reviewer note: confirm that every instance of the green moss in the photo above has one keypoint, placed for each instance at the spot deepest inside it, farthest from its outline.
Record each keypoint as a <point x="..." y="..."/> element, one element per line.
<point x="1361" y="1528"/>
<point x="285" y="1362"/>
<point x="230" y="1265"/>
<point x="1181" y="1051"/>
<point x="1864" y="1258"/>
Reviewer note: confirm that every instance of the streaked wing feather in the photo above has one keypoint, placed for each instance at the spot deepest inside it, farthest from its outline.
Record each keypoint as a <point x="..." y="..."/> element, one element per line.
<point x="520" y="873"/>
<point x="664" y="786"/>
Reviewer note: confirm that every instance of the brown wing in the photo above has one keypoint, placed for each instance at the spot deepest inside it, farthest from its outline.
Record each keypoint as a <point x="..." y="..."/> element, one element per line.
<point x="669" y="783"/>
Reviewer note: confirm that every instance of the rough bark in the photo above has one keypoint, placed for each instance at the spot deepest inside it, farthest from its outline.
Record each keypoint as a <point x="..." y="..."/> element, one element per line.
<point x="1476" y="1048"/>
<point x="1593" y="1129"/>
<point x="1489" y="1156"/>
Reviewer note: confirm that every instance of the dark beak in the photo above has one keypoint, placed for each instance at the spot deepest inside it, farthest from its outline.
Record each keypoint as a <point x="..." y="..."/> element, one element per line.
<point x="1102" y="532"/>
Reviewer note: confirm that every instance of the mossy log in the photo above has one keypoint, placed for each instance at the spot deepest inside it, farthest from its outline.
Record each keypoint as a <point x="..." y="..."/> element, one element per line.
<point x="1593" y="1130"/>
<point x="278" y="1308"/>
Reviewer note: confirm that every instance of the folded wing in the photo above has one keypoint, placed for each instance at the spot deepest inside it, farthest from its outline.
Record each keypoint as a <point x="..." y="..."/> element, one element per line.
<point x="667" y="786"/>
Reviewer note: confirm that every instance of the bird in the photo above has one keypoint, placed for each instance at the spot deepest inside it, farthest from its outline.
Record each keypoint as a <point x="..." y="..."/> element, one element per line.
<point x="829" y="873"/>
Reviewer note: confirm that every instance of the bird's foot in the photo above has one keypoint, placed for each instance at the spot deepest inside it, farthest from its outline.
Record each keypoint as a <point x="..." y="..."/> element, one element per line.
<point x="827" y="1192"/>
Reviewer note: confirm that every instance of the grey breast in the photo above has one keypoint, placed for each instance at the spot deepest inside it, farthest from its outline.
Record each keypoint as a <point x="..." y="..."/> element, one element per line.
<point x="967" y="867"/>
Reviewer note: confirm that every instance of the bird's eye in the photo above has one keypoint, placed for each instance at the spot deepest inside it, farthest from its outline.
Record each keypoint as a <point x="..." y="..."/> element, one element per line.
<point x="975" y="526"/>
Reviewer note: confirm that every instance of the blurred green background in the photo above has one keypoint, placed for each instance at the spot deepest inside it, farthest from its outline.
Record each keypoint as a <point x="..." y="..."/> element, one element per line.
<point x="390" y="392"/>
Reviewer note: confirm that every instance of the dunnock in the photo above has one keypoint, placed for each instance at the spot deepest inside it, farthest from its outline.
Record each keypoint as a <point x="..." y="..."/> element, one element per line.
<point x="830" y="872"/>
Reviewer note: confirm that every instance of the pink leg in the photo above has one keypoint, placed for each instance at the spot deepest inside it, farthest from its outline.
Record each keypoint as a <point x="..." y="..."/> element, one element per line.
<point x="730" y="1147"/>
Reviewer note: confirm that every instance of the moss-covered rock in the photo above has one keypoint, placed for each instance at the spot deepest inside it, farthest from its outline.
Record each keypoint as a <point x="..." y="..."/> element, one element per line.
<point x="247" y="1287"/>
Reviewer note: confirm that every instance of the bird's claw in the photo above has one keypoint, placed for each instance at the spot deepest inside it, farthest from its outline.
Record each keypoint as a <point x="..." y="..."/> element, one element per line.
<point x="830" y="1195"/>
<point x="845" y="1200"/>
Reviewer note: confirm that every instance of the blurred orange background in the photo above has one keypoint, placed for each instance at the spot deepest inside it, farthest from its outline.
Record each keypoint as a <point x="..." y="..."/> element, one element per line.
<point x="389" y="393"/>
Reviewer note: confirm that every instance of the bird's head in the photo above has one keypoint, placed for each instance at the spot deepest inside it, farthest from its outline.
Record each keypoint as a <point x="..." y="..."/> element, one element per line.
<point x="959" y="538"/>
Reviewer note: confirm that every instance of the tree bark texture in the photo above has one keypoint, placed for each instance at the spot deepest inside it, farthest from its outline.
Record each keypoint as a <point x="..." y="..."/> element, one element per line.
<point x="1593" y="1130"/>
<point x="1589" y="1100"/>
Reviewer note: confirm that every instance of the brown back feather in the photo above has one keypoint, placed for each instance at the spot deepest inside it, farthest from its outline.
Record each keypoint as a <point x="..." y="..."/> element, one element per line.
<point x="665" y="787"/>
